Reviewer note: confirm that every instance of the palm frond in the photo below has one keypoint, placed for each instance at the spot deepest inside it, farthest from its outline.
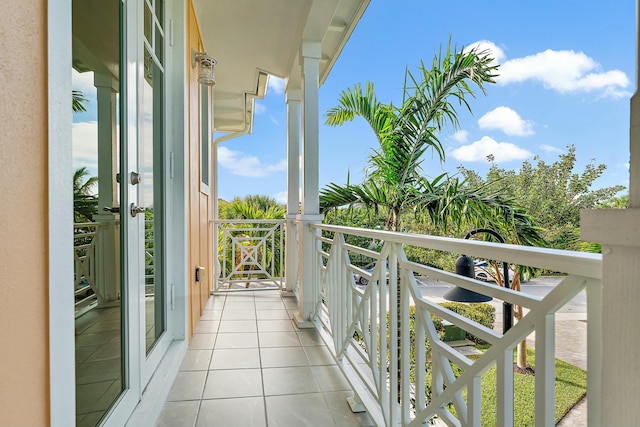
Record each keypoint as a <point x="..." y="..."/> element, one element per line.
<point x="78" y="99"/>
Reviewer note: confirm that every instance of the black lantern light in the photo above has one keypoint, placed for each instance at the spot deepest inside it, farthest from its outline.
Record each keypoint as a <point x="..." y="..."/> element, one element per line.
<point x="465" y="267"/>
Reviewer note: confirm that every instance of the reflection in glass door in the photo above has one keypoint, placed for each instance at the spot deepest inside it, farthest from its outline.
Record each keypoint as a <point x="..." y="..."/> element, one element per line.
<point x="150" y="158"/>
<point x="99" y="343"/>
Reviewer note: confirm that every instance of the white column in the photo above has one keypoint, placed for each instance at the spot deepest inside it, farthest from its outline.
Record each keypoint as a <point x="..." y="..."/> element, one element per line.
<point x="214" y="196"/>
<point x="293" y="98"/>
<point x="311" y="54"/>
<point x="213" y="185"/>
<point x="108" y="262"/>
<point x="307" y="254"/>
<point x="619" y="232"/>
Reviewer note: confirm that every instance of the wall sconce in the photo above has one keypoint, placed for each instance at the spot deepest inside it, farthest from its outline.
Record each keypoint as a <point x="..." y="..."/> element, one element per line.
<point x="206" y="62"/>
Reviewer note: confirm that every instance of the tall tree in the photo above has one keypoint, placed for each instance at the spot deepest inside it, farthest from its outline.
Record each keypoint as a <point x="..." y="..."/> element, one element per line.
<point x="394" y="182"/>
<point x="85" y="203"/>
<point x="553" y="194"/>
<point x="255" y="207"/>
<point x="77" y="101"/>
<point x="252" y="207"/>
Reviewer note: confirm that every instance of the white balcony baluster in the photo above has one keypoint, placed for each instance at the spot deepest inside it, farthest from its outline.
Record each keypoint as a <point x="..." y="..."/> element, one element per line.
<point x="361" y="326"/>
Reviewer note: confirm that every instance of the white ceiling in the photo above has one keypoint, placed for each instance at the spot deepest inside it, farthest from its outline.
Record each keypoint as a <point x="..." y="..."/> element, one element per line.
<point x="252" y="38"/>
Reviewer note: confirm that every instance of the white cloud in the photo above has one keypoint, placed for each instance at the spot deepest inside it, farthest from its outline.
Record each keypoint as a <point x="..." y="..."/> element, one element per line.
<point x="84" y="142"/>
<point x="275" y="84"/>
<point x="259" y="107"/>
<point x="281" y="197"/>
<point x="461" y="136"/>
<point x="564" y="71"/>
<point x="243" y="165"/>
<point x="273" y="119"/>
<point x="551" y="149"/>
<point x="506" y="120"/>
<point x="83" y="82"/>
<point x="482" y="45"/>
<point x="479" y="150"/>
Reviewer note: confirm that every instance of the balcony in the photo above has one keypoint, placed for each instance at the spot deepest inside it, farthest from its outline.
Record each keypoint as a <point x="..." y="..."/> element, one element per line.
<point x="249" y="363"/>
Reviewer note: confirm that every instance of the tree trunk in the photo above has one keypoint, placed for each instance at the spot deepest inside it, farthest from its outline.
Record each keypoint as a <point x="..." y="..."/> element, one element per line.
<point x="518" y="313"/>
<point x="522" y="355"/>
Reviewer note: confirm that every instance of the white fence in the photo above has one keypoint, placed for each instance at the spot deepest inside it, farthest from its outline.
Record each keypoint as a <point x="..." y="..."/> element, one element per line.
<point x="251" y="254"/>
<point x="367" y="328"/>
<point x="85" y="247"/>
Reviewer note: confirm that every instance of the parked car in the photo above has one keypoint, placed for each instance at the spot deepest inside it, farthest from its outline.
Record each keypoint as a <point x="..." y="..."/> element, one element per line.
<point x="369" y="269"/>
<point x="482" y="270"/>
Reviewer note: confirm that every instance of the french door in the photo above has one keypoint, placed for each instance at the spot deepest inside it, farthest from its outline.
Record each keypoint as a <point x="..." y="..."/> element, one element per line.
<point x="120" y="231"/>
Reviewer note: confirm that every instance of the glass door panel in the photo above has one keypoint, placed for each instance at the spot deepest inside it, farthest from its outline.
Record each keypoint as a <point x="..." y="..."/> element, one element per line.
<point x="151" y="149"/>
<point x="99" y="343"/>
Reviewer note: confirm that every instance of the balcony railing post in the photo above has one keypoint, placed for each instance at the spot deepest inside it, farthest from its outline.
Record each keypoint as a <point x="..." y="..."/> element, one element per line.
<point x="379" y="326"/>
<point x="309" y="269"/>
<point x="291" y="255"/>
<point x="108" y="278"/>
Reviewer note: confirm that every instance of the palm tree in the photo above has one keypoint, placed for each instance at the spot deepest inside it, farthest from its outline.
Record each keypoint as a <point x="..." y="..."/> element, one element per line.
<point x="85" y="203"/>
<point x="78" y="99"/>
<point x="255" y="207"/>
<point x="394" y="182"/>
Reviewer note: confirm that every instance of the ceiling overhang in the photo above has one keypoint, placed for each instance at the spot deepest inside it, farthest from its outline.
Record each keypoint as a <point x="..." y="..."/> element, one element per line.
<point x="254" y="39"/>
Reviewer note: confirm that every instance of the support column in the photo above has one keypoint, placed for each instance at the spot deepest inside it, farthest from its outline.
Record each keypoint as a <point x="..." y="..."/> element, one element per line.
<point x="310" y="54"/>
<point x="307" y="253"/>
<point x="216" y="216"/>
<point x="614" y="401"/>
<point x="108" y="262"/>
<point x="293" y="97"/>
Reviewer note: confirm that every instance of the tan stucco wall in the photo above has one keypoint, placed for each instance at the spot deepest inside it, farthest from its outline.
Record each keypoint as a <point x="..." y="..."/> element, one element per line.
<point x="200" y="247"/>
<point x="24" y="375"/>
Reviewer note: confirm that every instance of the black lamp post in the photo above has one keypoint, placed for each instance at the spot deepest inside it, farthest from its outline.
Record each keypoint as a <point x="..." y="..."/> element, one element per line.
<point x="466" y="267"/>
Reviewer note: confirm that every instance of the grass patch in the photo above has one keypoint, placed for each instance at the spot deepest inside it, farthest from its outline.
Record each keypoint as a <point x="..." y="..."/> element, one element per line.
<point x="571" y="386"/>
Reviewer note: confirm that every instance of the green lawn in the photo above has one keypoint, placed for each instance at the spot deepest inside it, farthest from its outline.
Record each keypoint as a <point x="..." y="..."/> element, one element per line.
<point x="571" y="386"/>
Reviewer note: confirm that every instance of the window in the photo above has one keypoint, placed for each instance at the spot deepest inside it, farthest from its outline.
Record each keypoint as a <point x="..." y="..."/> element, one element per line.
<point x="205" y="138"/>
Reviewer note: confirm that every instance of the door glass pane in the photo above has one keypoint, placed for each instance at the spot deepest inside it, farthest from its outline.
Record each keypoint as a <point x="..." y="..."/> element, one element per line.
<point x="96" y="147"/>
<point x="151" y="149"/>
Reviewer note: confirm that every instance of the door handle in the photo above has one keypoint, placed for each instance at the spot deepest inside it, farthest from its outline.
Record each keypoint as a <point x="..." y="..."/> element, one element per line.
<point x="135" y="178"/>
<point x="135" y="210"/>
<point x="112" y="209"/>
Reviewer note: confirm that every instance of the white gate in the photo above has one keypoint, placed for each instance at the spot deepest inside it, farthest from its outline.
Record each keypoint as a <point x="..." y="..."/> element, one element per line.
<point x="250" y="253"/>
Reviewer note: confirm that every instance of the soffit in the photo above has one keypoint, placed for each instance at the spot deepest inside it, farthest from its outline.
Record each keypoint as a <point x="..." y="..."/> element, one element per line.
<point x="250" y="39"/>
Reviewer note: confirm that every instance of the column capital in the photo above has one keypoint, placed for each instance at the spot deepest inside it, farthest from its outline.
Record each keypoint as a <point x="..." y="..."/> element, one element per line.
<point x="105" y="81"/>
<point x="310" y="217"/>
<point x="311" y="49"/>
<point x="292" y="95"/>
<point x="611" y="227"/>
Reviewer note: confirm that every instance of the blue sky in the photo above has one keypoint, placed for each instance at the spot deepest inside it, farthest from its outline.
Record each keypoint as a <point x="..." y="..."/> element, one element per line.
<point x="567" y="71"/>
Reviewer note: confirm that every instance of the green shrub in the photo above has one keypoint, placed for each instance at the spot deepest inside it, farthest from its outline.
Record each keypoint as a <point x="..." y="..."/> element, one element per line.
<point x="484" y="314"/>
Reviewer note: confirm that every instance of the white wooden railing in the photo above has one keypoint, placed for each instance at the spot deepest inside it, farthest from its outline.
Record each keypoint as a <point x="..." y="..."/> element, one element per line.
<point x="149" y="253"/>
<point x="361" y="327"/>
<point x="85" y="239"/>
<point x="250" y="251"/>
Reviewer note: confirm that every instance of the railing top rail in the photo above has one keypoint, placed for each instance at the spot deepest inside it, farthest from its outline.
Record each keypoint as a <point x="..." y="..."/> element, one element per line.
<point x="249" y="221"/>
<point x="570" y="262"/>
<point x="85" y="224"/>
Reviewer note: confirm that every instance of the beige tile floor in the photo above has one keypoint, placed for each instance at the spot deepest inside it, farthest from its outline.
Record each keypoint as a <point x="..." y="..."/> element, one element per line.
<point x="248" y="365"/>
<point x="98" y="363"/>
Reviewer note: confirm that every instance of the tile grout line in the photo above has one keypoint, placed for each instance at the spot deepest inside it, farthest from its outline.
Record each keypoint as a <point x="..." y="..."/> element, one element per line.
<point x="210" y="360"/>
<point x="264" y="396"/>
